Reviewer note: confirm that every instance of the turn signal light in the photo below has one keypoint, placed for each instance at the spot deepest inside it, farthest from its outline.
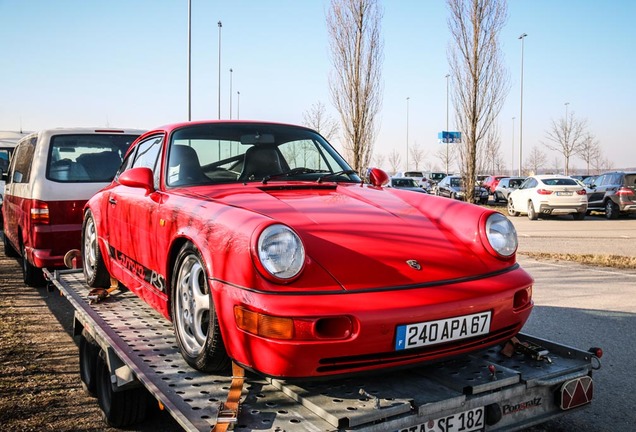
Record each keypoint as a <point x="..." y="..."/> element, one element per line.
<point x="263" y="325"/>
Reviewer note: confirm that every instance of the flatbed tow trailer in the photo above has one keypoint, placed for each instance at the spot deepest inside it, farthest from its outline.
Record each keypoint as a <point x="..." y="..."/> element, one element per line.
<point x="526" y="382"/>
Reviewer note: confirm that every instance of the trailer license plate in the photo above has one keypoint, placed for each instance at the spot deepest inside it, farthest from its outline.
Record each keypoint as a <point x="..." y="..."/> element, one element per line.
<point x="467" y="421"/>
<point x="441" y="331"/>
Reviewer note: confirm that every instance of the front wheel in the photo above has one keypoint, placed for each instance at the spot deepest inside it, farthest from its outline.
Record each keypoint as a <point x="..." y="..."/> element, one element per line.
<point x="532" y="214"/>
<point x="194" y="316"/>
<point x="95" y="271"/>
<point x="511" y="209"/>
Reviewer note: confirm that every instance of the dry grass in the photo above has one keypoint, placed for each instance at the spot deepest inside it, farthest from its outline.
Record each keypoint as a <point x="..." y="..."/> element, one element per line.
<point x="613" y="261"/>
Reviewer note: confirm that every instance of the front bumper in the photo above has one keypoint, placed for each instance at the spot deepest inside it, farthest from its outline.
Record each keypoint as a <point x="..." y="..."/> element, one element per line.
<point x="374" y="317"/>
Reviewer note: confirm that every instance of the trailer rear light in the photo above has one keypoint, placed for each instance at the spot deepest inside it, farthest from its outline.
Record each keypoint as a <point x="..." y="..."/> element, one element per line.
<point x="624" y="192"/>
<point x="40" y="213"/>
<point x="576" y="392"/>
<point x="544" y="192"/>
<point x="264" y="325"/>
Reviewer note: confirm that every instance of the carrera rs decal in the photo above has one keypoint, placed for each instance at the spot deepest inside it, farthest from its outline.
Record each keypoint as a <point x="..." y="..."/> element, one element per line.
<point x="150" y="276"/>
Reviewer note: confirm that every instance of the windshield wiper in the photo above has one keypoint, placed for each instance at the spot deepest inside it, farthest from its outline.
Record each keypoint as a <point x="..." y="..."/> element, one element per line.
<point x="334" y="174"/>
<point x="291" y="172"/>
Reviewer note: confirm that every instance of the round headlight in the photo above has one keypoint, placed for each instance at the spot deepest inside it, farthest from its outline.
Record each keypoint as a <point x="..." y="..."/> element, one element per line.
<point x="501" y="234"/>
<point x="280" y="251"/>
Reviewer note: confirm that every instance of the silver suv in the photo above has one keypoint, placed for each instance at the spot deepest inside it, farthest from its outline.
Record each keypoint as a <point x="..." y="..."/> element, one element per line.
<point x="613" y="193"/>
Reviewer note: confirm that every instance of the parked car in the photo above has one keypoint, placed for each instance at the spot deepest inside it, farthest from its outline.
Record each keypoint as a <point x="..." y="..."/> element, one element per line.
<point x="51" y="176"/>
<point x="548" y="194"/>
<point x="263" y="246"/>
<point x="613" y="193"/>
<point x="505" y="186"/>
<point x="490" y="183"/>
<point x="422" y="181"/>
<point x="406" y="183"/>
<point x="453" y="187"/>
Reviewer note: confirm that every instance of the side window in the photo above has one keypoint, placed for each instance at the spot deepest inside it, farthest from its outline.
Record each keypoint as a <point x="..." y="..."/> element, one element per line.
<point x="603" y="180"/>
<point x="20" y="170"/>
<point x="147" y="155"/>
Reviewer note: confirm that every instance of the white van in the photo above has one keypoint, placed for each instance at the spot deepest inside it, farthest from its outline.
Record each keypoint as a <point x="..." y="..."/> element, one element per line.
<point x="51" y="176"/>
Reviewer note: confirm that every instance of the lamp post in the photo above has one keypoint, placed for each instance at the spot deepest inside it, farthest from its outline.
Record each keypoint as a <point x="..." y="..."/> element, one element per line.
<point x="238" y="104"/>
<point x="566" y="111"/>
<point x="219" y="92"/>
<point x="407" y="133"/>
<point x="446" y="137"/>
<point x="189" y="60"/>
<point x="231" y="93"/>
<point x="522" y="37"/>
<point x="512" y="162"/>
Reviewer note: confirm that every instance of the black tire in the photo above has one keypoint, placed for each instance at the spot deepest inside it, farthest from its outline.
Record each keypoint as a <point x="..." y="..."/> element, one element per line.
<point x="88" y="354"/>
<point x="611" y="209"/>
<point x="119" y="408"/>
<point x="197" y="331"/>
<point x="31" y="275"/>
<point x="511" y="209"/>
<point x="579" y="215"/>
<point x="9" y="251"/>
<point x="95" y="271"/>
<point x="532" y="214"/>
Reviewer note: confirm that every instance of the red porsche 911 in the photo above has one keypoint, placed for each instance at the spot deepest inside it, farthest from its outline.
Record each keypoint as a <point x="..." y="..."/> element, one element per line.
<point x="263" y="247"/>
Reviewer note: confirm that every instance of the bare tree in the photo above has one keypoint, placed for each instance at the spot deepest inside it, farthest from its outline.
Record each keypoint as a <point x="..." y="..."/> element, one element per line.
<point x="417" y="154"/>
<point x="316" y="118"/>
<point x="355" y="82"/>
<point x="379" y="159"/>
<point x="394" y="160"/>
<point x="590" y="151"/>
<point x="536" y="160"/>
<point x="447" y="158"/>
<point x="566" y="137"/>
<point x="480" y="79"/>
<point x="489" y="154"/>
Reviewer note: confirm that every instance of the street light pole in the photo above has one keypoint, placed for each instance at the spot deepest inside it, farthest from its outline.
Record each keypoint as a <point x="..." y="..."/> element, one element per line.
<point x="230" y="93"/>
<point x="189" y="60"/>
<point x="445" y="135"/>
<point x="238" y="104"/>
<point x="512" y="164"/>
<point x="407" y="133"/>
<point x="219" y="92"/>
<point x="522" y="37"/>
<point x="566" y="111"/>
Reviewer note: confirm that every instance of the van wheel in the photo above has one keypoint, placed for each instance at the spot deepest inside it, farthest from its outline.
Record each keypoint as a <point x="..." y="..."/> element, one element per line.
<point x="9" y="250"/>
<point x="31" y="275"/>
<point x="196" y="325"/>
<point x="119" y="408"/>
<point x="95" y="271"/>
<point x="611" y="210"/>
<point x="88" y="353"/>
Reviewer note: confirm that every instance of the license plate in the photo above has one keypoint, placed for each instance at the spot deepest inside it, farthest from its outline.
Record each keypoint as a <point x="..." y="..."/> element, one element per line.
<point x="441" y="331"/>
<point x="467" y="421"/>
<point x="564" y="193"/>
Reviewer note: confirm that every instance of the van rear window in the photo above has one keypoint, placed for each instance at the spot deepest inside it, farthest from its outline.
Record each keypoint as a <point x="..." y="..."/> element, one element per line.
<point x="85" y="158"/>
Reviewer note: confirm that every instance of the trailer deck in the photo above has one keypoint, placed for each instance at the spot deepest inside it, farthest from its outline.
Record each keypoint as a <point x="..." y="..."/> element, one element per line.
<point x="486" y="390"/>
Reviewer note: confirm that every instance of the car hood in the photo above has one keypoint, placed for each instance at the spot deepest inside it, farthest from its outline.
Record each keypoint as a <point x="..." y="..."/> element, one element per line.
<point x="376" y="238"/>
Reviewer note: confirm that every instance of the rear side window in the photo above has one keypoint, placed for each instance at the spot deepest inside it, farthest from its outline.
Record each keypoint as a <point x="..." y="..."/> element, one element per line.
<point x="23" y="156"/>
<point x="86" y="158"/>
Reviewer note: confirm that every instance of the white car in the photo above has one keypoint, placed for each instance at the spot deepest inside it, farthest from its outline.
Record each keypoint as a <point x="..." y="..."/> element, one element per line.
<point x="548" y="194"/>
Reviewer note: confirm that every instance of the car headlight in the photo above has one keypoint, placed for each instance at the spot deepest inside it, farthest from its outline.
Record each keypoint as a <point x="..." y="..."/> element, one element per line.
<point x="280" y="251"/>
<point x="501" y="234"/>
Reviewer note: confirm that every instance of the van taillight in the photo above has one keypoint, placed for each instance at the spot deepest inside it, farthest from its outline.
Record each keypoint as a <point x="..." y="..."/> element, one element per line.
<point x="40" y="213"/>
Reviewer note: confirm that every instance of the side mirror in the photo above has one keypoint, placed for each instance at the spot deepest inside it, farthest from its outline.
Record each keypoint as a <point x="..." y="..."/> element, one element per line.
<point x="378" y="177"/>
<point x="141" y="177"/>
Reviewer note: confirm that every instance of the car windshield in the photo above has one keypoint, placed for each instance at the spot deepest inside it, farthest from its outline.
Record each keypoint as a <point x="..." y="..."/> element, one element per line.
<point x="244" y="152"/>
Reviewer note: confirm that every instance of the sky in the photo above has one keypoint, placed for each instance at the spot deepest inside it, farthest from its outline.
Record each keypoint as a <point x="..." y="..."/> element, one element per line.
<point x="124" y="63"/>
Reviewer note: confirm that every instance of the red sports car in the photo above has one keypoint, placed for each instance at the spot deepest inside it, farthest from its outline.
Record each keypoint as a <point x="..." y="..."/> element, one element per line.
<point x="263" y="246"/>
